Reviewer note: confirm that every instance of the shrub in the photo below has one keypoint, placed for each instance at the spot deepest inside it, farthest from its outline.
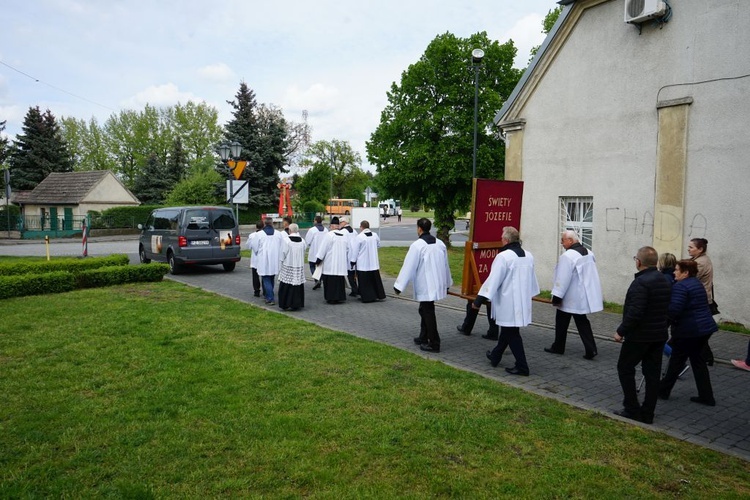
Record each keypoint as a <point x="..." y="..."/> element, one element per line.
<point x="313" y="206"/>
<point x="117" y="217"/>
<point x="36" y="284"/>
<point x="73" y="265"/>
<point x="117" y="275"/>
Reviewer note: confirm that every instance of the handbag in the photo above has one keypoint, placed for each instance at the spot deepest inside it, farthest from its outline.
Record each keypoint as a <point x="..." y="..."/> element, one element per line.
<point x="713" y="305"/>
<point x="714" y="308"/>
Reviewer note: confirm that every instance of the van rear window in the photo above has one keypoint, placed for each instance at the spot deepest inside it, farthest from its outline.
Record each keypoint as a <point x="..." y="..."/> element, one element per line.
<point x="224" y="220"/>
<point x="197" y="219"/>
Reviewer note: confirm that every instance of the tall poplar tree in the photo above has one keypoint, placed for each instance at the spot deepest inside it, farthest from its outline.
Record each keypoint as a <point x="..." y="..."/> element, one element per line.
<point x="38" y="151"/>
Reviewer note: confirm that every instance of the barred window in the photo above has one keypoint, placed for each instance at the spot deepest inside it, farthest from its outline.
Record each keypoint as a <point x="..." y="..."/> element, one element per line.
<point x="577" y="213"/>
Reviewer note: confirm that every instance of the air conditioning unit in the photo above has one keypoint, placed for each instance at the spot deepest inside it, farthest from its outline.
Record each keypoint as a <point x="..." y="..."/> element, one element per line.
<point x="638" y="11"/>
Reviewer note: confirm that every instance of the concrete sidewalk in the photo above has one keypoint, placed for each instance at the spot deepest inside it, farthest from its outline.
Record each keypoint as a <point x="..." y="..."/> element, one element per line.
<point x="590" y="385"/>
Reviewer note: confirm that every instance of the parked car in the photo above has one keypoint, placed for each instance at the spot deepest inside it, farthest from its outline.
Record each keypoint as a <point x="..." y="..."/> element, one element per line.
<point x="186" y="236"/>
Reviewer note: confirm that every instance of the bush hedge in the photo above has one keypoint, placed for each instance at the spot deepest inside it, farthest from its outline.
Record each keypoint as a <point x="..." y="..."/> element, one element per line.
<point x="22" y="285"/>
<point x="117" y="275"/>
<point x="36" y="284"/>
<point x="121" y="217"/>
<point x="72" y="265"/>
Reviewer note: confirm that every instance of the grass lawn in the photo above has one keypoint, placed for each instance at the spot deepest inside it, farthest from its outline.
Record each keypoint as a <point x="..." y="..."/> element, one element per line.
<point x="161" y="390"/>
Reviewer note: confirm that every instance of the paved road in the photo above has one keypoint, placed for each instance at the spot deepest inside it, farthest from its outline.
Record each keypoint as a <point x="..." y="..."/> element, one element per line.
<point x="591" y="385"/>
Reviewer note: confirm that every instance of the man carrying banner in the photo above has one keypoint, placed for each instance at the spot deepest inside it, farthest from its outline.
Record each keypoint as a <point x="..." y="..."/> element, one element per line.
<point x="510" y="286"/>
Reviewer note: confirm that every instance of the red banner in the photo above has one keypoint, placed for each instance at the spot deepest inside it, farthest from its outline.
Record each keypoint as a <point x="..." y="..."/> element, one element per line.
<point x="495" y="204"/>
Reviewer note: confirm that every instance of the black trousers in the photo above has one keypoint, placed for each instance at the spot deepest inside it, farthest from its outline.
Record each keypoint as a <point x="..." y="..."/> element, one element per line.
<point x="649" y="355"/>
<point x="428" y="324"/>
<point x="562" y="322"/>
<point x="510" y="336"/>
<point x="471" y="318"/>
<point x="682" y="350"/>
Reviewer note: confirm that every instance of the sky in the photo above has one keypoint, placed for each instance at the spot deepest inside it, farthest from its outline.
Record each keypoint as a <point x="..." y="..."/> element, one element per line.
<point x="335" y="59"/>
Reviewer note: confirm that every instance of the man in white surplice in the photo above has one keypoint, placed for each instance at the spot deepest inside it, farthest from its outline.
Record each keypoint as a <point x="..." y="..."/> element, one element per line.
<point x="577" y="292"/>
<point x="364" y="256"/>
<point x="313" y="238"/>
<point x="510" y="286"/>
<point x="333" y="254"/>
<point x="269" y="243"/>
<point x="426" y="265"/>
<point x="252" y="245"/>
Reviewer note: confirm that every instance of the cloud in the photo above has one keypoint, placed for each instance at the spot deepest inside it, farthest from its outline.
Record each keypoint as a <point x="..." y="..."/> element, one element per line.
<point x="159" y="95"/>
<point x="526" y="33"/>
<point x="218" y="72"/>
<point x="316" y="99"/>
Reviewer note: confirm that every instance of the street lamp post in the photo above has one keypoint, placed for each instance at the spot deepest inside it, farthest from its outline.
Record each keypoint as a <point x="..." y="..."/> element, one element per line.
<point x="230" y="152"/>
<point x="476" y="60"/>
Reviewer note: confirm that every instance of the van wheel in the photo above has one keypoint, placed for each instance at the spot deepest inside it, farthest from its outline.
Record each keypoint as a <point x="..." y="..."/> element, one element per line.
<point x="229" y="266"/>
<point x="174" y="267"/>
<point x="142" y="255"/>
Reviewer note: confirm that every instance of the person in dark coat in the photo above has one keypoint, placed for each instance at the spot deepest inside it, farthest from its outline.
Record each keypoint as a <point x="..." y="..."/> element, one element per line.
<point x="692" y="326"/>
<point x="643" y="332"/>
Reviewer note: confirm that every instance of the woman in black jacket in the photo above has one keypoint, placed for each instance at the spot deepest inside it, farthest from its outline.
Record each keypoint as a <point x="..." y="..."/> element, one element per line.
<point x="692" y="326"/>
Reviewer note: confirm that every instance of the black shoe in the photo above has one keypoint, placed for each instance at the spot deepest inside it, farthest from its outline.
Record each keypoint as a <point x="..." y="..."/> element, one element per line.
<point x="256" y="294"/>
<point x="516" y="371"/>
<point x="419" y="341"/>
<point x="317" y="285"/>
<point x="352" y="294"/>
<point x="492" y="361"/>
<point x="461" y="330"/>
<point x="647" y="419"/>
<point x="430" y="348"/>
<point x="552" y="351"/>
<point x="590" y="355"/>
<point x="700" y="400"/>
<point x="489" y="336"/>
<point x="629" y="414"/>
<point x="663" y="394"/>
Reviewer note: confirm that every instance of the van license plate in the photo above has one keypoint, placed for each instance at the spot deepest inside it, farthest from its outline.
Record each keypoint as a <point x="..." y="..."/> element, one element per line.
<point x="199" y="243"/>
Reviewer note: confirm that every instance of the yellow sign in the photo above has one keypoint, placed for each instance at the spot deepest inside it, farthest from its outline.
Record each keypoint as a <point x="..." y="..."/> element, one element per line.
<point x="237" y="167"/>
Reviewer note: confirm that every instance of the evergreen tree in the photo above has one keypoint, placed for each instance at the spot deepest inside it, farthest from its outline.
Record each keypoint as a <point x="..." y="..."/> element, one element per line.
<point x="262" y="132"/>
<point x="152" y="183"/>
<point x="176" y="163"/>
<point x="38" y="151"/>
<point x="4" y="150"/>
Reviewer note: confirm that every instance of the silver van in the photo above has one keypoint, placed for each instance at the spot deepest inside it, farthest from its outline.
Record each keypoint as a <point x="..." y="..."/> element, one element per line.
<point x="184" y="236"/>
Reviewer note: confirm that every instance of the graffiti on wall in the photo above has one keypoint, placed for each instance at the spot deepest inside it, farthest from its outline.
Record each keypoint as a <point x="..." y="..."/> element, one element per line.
<point x="642" y="223"/>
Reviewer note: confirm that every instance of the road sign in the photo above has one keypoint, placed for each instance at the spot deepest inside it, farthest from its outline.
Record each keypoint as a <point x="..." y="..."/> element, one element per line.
<point x="238" y="191"/>
<point x="237" y="167"/>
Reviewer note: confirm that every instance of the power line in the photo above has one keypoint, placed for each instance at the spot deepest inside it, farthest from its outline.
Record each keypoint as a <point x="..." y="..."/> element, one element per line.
<point x="37" y="80"/>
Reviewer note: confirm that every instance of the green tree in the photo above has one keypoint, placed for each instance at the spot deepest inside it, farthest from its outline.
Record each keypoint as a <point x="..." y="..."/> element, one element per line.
<point x="344" y="168"/>
<point x="38" y="151"/>
<point x="87" y="145"/>
<point x="261" y="130"/>
<point x="4" y="150"/>
<point x="177" y="167"/>
<point x="202" y="188"/>
<point x="152" y="183"/>
<point x="314" y="185"/>
<point x="549" y="22"/>
<point x="197" y="126"/>
<point x="423" y="146"/>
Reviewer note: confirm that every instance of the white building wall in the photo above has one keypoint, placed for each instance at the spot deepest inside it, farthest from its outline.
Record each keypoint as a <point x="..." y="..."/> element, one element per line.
<point x="592" y="130"/>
